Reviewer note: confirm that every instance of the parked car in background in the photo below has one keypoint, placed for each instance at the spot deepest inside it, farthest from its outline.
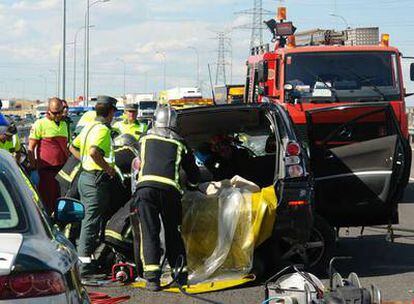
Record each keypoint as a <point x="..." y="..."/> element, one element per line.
<point x="37" y="263"/>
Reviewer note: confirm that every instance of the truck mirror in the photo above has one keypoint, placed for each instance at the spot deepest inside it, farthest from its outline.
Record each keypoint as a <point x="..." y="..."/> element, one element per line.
<point x="262" y="71"/>
<point x="412" y="71"/>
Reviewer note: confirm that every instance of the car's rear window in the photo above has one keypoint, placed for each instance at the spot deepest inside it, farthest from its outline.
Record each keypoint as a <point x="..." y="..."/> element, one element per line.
<point x="9" y="217"/>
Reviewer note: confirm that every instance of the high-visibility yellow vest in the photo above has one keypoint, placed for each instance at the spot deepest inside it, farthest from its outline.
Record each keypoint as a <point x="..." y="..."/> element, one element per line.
<point x="95" y="135"/>
<point x="12" y="145"/>
<point x="46" y="128"/>
<point x="53" y="139"/>
<point x="87" y="118"/>
<point x="135" y="129"/>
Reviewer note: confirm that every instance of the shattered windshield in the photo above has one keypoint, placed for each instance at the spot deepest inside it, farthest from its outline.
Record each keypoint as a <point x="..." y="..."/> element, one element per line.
<point x="343" y="76"/>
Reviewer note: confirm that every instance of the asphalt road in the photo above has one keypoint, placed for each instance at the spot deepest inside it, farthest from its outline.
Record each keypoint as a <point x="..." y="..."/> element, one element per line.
<point x="390" y="266"/>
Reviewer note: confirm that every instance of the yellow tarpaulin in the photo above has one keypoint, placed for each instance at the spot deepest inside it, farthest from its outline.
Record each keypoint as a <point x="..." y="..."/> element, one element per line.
<point x="221" y="231"/>
<point x="206" y="286"/>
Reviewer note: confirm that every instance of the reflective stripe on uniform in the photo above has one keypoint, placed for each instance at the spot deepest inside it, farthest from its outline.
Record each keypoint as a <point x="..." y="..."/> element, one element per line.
<point x="161" y="179"/>
<point x="70" y="177"/>
<point x="14" y="140"/>
<point x="114" y="234"/>
<point x="149" y="267"/>
<point x="171" y="140"/>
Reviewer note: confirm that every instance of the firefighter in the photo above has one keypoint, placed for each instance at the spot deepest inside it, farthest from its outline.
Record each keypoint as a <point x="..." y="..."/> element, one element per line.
<point x="48" y="151"/>
<point x="9" y="141"/>
<point x="93" y="146"/>
<point x="130" y="125"/>
<point x="162" y="152"/>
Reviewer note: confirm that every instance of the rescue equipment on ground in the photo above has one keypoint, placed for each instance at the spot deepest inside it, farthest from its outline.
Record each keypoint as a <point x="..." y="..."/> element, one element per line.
<point x="292" y="285"/>
<point x="123" y="272"/>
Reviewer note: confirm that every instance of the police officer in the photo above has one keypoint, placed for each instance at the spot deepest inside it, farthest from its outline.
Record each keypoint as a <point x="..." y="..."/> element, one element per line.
<point x="9" y="140"/>
<point x="163" y="152"/>
<point x="93" y="146"/>
<point x="130" y="125"/>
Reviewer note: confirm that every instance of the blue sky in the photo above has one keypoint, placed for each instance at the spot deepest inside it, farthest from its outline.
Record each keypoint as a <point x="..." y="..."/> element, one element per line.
<point x="134" y="30"/>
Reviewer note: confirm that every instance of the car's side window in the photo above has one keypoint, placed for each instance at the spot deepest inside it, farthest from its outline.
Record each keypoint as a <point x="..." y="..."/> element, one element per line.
<point x="36" y="199"/>
<point x="8" y="213"/>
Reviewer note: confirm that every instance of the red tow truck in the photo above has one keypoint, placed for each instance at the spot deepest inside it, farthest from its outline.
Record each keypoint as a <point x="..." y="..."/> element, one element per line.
<point x="344" y="91"/>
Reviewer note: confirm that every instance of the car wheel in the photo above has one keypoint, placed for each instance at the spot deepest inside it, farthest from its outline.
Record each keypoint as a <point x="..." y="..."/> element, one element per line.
<point x="316" y="252"/>
<point x="320" y="246"/>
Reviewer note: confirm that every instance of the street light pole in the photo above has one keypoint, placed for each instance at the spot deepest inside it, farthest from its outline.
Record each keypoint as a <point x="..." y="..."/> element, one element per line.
<point x="59" y="73"/>
<point x="64" y="51"/>
<point x="74" y="59"/>
<point x="146" y="82"/>
<point x="86" y="72"/>
<point x="198" y="64"/>
<point x="57" y="81"/>
<point x="123" y="61"/>
<point x="23" y="86"/>
<point x="165" y="68"/>
<point x="340" y="17"/>
<point x="45" y="79"/>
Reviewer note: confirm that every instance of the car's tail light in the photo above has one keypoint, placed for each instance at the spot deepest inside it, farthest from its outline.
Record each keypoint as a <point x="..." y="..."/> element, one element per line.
<point x="31" y="285"/>
<point x="295" y="171"/>
<point x="297" y="203"/>
<point x="292" y="160"/>
<point x="292" y="149"/>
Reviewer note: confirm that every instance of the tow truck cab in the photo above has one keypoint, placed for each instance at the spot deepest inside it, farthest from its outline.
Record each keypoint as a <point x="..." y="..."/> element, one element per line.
<point x="345" y="96"/>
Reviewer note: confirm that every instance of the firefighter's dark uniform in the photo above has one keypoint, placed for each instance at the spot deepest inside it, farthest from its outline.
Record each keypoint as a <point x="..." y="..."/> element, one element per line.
<point x="163" y="152"/>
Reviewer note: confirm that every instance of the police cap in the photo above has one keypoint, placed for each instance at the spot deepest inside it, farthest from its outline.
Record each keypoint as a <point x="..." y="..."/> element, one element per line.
<point x="106" y="100"/>
<point x="131" y="107"/>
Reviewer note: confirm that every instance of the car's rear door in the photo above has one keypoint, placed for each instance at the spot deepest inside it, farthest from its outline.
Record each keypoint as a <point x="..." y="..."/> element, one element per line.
<point x="358" y="158"/>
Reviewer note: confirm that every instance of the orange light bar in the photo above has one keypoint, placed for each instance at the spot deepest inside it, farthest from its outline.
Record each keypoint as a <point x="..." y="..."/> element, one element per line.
<point x="297" y="203"/>
<point x="291" y="41"/>
<point x="281" y="13"/>
<point x="385" y="40"/>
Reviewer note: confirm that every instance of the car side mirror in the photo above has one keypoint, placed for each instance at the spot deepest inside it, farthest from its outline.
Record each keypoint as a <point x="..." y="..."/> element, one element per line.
<point x="412" y="71"/>
<point x="69" y="210"/>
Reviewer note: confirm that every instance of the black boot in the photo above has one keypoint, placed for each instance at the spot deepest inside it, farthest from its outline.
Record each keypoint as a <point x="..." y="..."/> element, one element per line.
<point x="153" y="285"/>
